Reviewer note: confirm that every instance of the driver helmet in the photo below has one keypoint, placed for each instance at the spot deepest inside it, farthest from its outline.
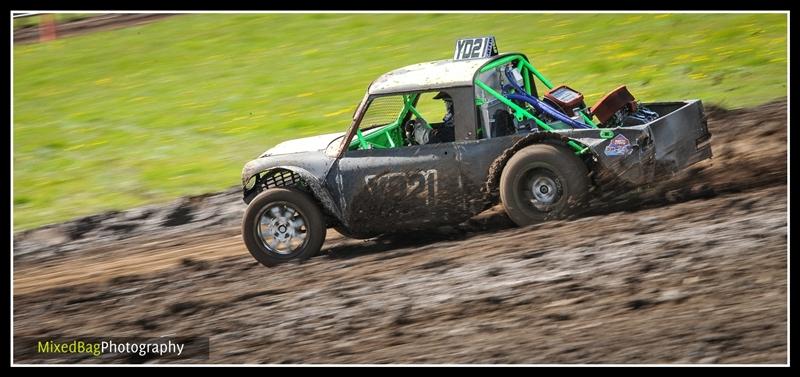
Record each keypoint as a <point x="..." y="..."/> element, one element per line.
<point x="449" y="103"/>
<point x="443" y="96"/>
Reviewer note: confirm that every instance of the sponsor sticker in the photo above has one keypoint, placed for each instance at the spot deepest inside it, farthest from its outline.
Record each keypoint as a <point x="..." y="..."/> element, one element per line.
<point x="619" y="146"/>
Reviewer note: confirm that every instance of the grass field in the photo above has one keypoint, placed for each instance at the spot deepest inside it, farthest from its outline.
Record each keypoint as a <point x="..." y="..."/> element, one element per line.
<point x="144" y="114"/>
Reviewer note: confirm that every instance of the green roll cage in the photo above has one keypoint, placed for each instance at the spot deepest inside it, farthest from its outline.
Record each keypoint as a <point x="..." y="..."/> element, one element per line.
<point x="391" y="135"/>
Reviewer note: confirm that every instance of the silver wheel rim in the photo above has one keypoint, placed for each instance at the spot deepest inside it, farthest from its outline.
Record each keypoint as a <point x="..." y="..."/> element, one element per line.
<point x="542" y="189"/>
<point x="281" y="228"/>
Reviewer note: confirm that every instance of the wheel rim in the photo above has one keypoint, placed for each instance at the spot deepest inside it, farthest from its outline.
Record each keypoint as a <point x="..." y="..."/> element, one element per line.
<point x="282" y="228"/>
<point x="542" y="189"/>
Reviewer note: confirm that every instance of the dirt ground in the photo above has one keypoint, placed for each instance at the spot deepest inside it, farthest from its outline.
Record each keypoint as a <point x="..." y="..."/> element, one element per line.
<point x="691" y="271"/>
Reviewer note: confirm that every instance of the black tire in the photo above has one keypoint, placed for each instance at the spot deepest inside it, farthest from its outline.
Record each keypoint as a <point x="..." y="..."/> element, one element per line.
<point x="284" y="199"/>
<point x="554" y="171"/>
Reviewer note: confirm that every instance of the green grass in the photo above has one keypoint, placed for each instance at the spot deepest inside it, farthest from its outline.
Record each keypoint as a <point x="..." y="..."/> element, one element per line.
<point x="144" y="114"/>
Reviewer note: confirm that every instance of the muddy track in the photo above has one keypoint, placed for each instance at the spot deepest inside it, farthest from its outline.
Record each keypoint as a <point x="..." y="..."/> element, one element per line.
<point x="692" y="270"/>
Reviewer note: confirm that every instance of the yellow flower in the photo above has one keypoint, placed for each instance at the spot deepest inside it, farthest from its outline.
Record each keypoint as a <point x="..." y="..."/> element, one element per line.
<point x="335" y="113"/>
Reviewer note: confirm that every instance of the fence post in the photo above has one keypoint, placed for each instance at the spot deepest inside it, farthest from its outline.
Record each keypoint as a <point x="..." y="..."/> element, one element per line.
<point x="47" y="27"/>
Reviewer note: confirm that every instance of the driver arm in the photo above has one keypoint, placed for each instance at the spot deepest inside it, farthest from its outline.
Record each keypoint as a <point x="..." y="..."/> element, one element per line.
<point x="408" y="104"/>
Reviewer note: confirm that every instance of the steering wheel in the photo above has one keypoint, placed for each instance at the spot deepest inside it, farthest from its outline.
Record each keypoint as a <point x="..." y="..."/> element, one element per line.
<point x="417" y="131"/>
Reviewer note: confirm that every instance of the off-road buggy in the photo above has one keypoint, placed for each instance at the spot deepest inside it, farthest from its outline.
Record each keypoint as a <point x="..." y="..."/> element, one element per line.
<point x="436" y="143"/>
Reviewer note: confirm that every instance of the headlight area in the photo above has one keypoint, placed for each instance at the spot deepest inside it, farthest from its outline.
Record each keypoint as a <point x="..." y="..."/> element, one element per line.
<point x="251" y="183"/>
<point x="249" y="188"/>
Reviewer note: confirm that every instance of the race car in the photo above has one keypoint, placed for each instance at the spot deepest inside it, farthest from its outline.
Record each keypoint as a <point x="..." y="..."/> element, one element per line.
<point x="436" y="143"/>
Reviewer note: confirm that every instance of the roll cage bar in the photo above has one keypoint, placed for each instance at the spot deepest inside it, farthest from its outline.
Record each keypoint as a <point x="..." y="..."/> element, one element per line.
<point x="520" y="113"/>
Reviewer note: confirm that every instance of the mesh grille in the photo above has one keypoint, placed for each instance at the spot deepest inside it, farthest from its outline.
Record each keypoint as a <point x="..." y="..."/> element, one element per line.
<point x="382" y="111"/>
<point x="280" y="178"/>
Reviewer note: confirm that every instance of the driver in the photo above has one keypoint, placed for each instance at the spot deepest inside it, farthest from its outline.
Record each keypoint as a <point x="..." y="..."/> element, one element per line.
<point x="444" y="132"/>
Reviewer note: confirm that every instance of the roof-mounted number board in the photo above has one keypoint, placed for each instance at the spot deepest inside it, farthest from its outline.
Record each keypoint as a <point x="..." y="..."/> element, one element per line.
<point x="475" y="48"/>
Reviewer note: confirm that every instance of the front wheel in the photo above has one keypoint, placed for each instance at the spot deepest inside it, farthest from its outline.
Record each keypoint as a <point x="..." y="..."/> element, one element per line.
<point x="282" y="224"/>
<point x="543" y="182"/>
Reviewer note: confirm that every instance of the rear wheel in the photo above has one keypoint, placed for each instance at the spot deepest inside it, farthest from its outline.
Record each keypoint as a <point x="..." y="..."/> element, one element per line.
<point x="282" y="224"/>
<point x="543" y="182"/>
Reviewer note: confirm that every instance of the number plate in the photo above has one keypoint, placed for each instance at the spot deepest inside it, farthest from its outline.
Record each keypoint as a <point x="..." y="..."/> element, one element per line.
<point x="475" y="48"/>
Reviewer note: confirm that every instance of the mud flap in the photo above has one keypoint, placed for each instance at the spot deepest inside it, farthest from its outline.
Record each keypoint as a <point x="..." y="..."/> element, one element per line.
<point x="681" y="138"/>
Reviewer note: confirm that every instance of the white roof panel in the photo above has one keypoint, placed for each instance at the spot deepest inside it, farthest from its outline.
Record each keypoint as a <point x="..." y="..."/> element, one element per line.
<point x="427" y="76"/>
